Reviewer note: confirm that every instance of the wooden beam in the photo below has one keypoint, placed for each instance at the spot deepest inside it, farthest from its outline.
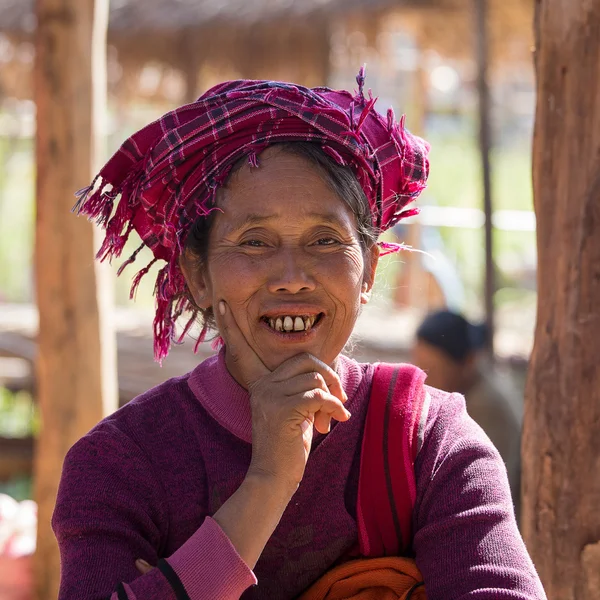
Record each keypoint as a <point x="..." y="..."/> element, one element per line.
<point x="75" y="375"/>
<point x="561" y="437"/>
<point x="485" y="144"/>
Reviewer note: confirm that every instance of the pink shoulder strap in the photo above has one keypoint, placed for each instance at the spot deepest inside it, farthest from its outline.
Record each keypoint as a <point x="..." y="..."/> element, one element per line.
<point x="386" y="488"/>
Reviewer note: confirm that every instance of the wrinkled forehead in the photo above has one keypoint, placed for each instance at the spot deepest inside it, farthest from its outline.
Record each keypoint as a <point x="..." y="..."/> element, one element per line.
<point x="282" y="186"/>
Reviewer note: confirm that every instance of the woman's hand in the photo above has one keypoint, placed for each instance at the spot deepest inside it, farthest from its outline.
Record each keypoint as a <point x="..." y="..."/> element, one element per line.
<point x="286" y="403"/>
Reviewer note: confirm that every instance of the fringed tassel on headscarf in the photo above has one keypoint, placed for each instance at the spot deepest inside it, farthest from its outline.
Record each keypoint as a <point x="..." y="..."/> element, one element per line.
<point x="96" y="201"/>
<point x="360" y="80"/>
<point x="254" y="151"/>
<point x="253" y="159"/>
<point x="169" y="307"/>
<point x="333" y="153"/>
<point x="163" y="325"/>
<point x="391" y="119"/>
<point x="217" y="343"/>
<point x="355" y="127"/>
<point x="403" y="214"/>
<point x="138" y="278"/>
<point x="185" y="305"/>
<point x="201" y="337"/>
<point x="409" y="212"/>
<point x="98" y="206"/>
<point x="186" y="329"/>
<point x="82" y="195"/>
<point x="370" y="105"/>
<point x="163" y="329"/>
<point x="392" y="248"/>
<point x="131" y="259"/>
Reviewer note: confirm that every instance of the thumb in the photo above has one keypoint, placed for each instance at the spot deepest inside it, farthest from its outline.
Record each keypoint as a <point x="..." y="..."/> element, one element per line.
<point x="238" y="348"/>
<point x="142" y="566"/>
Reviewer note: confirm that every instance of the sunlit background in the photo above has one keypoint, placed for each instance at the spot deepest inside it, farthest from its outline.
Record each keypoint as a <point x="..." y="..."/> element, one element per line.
<point x="420" y="60"/>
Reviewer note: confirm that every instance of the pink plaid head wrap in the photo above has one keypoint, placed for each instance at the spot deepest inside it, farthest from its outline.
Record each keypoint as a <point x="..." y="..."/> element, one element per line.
<point x="165" y="176"/>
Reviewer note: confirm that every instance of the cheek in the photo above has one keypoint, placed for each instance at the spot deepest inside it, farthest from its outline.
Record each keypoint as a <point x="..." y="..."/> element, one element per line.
<point x="353" y="270"/>
<point x="343" y="276"/>
<point x="234" y="277"/>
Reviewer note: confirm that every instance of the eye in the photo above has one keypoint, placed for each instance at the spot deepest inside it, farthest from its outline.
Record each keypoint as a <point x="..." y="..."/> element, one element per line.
<point x="326" y="241"/>
<point x="254" y="243"/>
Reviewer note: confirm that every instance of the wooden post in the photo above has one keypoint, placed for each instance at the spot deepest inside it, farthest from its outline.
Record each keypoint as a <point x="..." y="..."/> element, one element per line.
<point x="561" y="437"/>
<point x="485" y="143"/>
<point x="75" y="372"/>
<point x="323" y="56"/>
<point x="192" y="57"/>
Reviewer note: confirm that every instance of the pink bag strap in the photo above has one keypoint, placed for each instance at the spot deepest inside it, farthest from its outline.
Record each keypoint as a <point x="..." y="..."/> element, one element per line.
<point x="387" y="488"/>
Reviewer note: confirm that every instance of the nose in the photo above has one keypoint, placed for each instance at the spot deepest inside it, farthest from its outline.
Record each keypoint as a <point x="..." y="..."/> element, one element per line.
<point x="290" y="273"/>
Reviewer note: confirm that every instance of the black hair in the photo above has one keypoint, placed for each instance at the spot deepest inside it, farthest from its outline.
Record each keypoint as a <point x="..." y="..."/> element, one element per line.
<point x="453" y="334"/>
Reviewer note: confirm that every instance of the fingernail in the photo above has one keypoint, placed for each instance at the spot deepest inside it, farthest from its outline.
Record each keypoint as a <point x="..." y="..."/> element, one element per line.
<point x="142" y="562"/>
<point x="222" y="307"/>
<point x="348" y="413"/>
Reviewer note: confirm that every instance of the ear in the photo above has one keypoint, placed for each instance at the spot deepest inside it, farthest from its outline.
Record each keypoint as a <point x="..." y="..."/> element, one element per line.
<point x="195" y="279"/>
<point x="371" y="262"/>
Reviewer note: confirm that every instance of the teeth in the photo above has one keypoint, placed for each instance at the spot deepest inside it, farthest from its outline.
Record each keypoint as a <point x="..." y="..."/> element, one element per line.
<point x="291" y="323"/>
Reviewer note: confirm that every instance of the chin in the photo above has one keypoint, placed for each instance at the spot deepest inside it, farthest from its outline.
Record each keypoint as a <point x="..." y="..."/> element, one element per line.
<point x="273" y="358"/>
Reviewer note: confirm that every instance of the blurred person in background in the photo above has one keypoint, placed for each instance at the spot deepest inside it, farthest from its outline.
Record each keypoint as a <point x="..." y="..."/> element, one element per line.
<point x="260" y="474"/>
<point x="450" y="350"/>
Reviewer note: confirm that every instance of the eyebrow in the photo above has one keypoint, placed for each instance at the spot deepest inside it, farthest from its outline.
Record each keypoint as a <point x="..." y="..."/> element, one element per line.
<point x="252" y="219"/>
<point x="258" y="219"/>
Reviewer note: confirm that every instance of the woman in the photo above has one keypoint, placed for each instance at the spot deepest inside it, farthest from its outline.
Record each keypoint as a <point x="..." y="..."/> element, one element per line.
<point x="241" y="478"/>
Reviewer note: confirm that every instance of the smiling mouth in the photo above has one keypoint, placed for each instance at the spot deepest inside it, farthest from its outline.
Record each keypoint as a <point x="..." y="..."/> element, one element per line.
<point x="292" y="323"/>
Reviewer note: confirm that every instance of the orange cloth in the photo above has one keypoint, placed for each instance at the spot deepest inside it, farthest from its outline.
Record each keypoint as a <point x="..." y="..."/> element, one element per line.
<point x="388" y="578"/>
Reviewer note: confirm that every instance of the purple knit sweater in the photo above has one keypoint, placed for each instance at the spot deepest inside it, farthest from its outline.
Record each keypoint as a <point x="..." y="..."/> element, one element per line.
<point x="144" y="482"/>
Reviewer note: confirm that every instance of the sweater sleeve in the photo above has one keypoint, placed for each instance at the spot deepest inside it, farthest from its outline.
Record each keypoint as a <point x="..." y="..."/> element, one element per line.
<point x="110" y="511"/>
<point x="466" y="541"/>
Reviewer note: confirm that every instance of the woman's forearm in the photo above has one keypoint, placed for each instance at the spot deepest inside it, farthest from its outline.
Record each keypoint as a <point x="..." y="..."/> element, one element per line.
<point x="251" y="514"/>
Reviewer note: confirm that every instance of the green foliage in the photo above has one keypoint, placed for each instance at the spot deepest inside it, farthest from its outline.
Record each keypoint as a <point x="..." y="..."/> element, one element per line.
<point x="20" y="488"/>
<point x="455" y="180"/>
<point x="16" y="219"/>
<point x="18" y="414"/>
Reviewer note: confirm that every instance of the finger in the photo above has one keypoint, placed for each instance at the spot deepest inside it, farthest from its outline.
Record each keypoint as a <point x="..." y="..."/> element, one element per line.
<point x="237" y="347"/>
<point x="322" y="422"/>
<point x="307" y="363"/>
<point x="309" y="404"/>
<point x="142" y="566"/>
<point x="302" y="383"/>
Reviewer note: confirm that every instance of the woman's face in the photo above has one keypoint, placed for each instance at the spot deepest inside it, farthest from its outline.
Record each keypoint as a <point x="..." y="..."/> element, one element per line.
<point x="286" y="257"/>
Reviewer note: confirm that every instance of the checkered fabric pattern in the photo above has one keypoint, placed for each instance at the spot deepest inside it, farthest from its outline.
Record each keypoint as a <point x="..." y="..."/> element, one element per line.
<point x="166" y="175"/>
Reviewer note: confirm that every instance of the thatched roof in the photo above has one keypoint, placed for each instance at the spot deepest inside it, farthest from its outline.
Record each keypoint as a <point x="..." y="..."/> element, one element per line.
<point x="211" y="40"/>
<point x="164" y="15"/>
